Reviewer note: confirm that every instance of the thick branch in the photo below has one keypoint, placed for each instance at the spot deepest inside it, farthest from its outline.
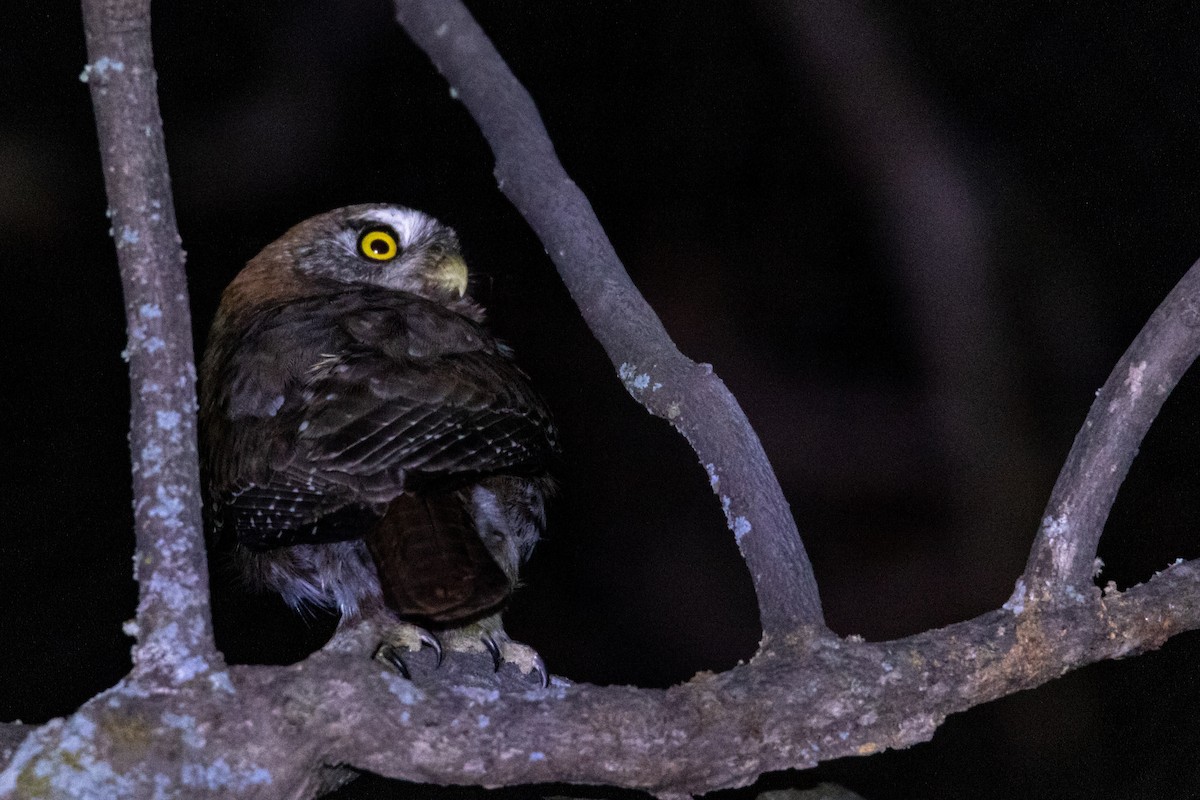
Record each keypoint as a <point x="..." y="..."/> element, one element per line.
<point x="11" y="735"/>
<point x="1064" y="553"/>
<point x="271" y="731"/>
<point x="686" y="394"/>
<point x="174" y="629"/>
<point x="268" y="730"/>
<point x="790" y="708"/>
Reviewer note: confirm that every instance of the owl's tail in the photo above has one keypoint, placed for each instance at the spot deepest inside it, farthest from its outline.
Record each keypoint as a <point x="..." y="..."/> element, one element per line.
<point x="434" y="569"/>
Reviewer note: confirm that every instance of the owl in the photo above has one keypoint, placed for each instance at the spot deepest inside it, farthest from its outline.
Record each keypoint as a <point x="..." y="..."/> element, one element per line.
<point x="369" y="445"/>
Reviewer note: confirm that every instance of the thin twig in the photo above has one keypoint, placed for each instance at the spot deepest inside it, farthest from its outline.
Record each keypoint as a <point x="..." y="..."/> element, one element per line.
<point x="686" y="394"/>
<point x="173" y="623"/>
<point x="1062" y="561"/>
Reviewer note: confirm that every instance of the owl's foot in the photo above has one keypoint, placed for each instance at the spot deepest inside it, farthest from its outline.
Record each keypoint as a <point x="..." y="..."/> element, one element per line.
<point x="484" y="636"/>
<point x="501" y="648"/>
<point x="406" y="636"/>
<point x="489" y="634"/>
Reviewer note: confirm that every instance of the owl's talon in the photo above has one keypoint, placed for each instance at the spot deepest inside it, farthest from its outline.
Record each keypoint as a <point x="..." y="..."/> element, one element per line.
<point x="494" y="649"/>
<point x="389" y="655"/>
<point x="533" y="662"/>
<point x="543" y="675"/>
<point x="431" y="641"/>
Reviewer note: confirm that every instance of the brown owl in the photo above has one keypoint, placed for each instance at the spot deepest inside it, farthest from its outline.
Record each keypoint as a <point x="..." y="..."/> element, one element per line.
<point x="369" y="444"/>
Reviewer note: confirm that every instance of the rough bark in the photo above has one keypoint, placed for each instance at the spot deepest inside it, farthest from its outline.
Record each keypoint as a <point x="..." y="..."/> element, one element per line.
<point x="11" y="735"/>
<point x="268" y="731"/>
<point x="1063" y="559"/>
<point x="173" y="630"/>
<point x="181" y="726"/>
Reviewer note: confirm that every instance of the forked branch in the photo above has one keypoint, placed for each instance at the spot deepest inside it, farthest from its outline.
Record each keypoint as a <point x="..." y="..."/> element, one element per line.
<point x="173" y="729"/>
<point x="1062" y="562"/>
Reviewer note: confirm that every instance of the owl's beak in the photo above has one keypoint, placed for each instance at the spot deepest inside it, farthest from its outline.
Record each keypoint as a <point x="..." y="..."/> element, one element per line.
<point x="451" y="274"/>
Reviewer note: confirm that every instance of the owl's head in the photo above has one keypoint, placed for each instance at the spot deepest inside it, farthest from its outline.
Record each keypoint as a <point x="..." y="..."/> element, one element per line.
<point x="377" y="245"/>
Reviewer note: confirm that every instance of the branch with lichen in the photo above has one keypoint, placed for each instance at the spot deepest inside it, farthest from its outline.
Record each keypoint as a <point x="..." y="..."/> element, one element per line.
<point x="277" y="731"/>
<point x="173" y="628"/>
<point x="180" y="725"/>
<point x="1062" y="562"/>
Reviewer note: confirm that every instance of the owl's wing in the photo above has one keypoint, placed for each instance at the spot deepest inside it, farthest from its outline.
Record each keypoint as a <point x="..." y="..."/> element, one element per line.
<point x="281" y="512"/>
<point x="375" y="423"/>
<point x="391" y="393"/>
<point x="418" y="392"/>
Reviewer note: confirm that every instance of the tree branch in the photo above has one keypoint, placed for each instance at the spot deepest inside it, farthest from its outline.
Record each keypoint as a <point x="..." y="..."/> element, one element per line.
<point x="688" y="395"/>
<point x="179" y="727"/>
<point x="1062" y="561"/>
<point x="798" y="705"/>
<point x="11" y="735"/>
<point x="273" y="731"/>
<point x="173" y="623"/>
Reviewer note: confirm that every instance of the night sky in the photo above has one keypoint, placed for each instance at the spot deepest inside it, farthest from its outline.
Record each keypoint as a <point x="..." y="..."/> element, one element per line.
<point x="735" y="195"/>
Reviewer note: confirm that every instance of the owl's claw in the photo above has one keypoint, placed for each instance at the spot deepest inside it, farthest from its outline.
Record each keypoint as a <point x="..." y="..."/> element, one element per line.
<point x="390" y="655"/>
<point x="524" y="657"/>
<point x="407" y="637"/>
<point x="494" y="649"/>
<point x="430" y="640"/>
<point x="485" y="635"/>
<point x="543" y="674"/>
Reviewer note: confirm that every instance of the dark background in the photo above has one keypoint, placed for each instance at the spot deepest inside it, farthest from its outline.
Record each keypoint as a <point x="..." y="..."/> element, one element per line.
<point x="729" y="190"/>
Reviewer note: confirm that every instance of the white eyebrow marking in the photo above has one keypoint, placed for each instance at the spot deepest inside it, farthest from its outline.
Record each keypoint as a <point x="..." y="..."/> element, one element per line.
<point x="409" y="223"/>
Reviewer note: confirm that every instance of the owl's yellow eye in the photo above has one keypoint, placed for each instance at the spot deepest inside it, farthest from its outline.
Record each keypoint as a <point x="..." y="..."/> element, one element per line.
<point x="378" y="244"/>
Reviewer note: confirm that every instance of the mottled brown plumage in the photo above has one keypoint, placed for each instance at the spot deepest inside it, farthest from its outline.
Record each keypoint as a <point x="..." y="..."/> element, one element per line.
<point x="367" y="441"/>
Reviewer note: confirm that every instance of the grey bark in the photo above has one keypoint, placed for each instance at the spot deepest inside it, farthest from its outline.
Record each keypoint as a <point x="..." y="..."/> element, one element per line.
<point x="182" y="725"/>
<point x="1063" y="559"/>
<point x="270" y="731"/>
<point x="173" y="631"/>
